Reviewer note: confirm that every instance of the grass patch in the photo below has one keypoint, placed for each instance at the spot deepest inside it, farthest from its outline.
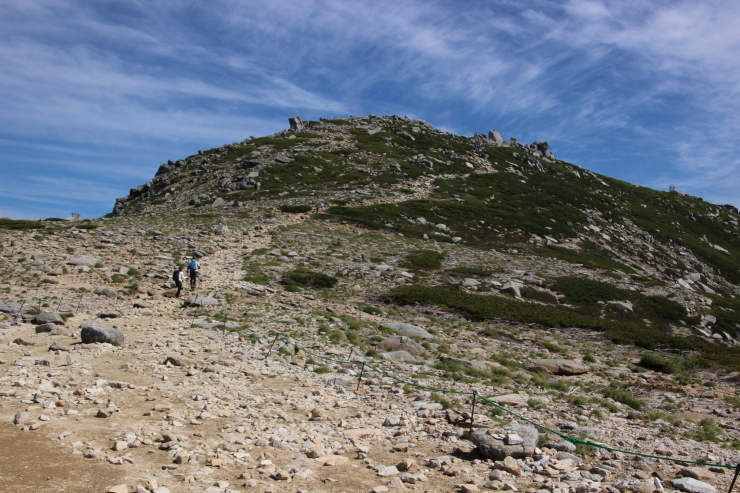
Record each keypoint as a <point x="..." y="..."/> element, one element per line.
<point x="708" y="431"/>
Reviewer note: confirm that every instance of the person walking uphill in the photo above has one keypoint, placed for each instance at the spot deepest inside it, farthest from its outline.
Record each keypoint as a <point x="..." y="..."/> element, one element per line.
<point x="179" y="277"/>
<point x="193" y="271"/>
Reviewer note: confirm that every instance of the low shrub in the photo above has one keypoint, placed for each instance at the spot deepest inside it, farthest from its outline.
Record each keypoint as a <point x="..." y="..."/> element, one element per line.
<point x="310" y="278"/>
<point x="582" y="290"/>
<point x="295" y="209"/>
<point x="425" y="259"/>
<point x="662" y="365"/>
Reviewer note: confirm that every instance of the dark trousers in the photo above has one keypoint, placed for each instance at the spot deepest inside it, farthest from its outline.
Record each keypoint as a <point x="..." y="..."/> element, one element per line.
<point x="179" y="288"/>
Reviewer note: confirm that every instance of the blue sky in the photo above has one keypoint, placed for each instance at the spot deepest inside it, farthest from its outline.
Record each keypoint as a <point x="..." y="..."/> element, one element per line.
<point x="94" y="95"/>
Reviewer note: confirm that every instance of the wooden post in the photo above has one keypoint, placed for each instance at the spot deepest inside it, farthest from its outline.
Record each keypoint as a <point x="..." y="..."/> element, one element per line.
<point x="359" y="381"/>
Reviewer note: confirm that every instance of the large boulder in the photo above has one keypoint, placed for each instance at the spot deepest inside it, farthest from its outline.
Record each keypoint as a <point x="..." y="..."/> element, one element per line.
<point x="94" y="332"/>
<point x="514" y="440"/>
<point x="409" y="330"/>
<point x="513" y="288"/>
<point x="473" y="365"/>
<point x="402" y="343"/>
<point x="83" y="260"/>
<point x="48" y="318"/>
<point x="495" y="136"/>
<point x="104" y="291"/>
<point x="562" y="366"/>
<point x="296" y="124"/>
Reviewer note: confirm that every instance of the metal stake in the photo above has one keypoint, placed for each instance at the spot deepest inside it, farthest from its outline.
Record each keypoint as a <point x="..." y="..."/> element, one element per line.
<point x="195" y="313"/>
<point x="78" y="304"/>
<point x="60" y="303"/>
<point x="737" y="471"/>
<point x="359" y="381"/>
<point x="270" y="350"/>
<point x="19" y="311"/>
<point x="472" y="413"/>
<point x="350" y="354"/>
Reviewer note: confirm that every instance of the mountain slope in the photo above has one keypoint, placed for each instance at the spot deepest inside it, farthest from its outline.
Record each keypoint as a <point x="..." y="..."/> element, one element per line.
<point x="672" y="259"/>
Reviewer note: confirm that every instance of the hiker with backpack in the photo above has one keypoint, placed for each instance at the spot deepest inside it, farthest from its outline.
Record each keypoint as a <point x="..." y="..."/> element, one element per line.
<point x="193" y="269"/>
<point x="179" y="277"/>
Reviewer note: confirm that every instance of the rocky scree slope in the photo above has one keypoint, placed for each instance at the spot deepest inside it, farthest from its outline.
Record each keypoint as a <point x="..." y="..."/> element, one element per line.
<point x="184" y="401"/>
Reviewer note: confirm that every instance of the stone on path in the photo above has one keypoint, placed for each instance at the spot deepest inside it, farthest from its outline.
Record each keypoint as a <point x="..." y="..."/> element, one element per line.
<point x="83" y="260"/>
<point x="197" y="300"/>
<point x="692" y="485"/>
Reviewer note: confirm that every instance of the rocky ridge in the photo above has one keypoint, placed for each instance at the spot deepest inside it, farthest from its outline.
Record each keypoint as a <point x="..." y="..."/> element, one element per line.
<point x="377" y="240"/>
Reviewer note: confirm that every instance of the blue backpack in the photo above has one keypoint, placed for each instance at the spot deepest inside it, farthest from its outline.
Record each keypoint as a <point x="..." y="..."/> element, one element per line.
<point x="193" y="265"/>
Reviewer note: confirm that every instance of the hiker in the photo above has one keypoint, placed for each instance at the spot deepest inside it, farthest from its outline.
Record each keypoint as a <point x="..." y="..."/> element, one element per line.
<point x="193" y="268"/>
<point x="179" y="277"/>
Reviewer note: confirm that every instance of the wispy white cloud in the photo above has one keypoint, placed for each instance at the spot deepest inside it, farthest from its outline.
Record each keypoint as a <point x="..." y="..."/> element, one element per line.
<point x="597" y="77"/>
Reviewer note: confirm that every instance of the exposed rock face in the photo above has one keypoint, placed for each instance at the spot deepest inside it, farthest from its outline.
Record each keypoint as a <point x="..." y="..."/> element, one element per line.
<point x="514" y="440"/>
<point x="94" y="332"/>
<point x="562" y="366"/>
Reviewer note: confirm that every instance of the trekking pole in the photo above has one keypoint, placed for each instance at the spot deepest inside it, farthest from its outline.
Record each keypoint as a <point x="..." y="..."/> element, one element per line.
<point x="362" y="372"/>
<point x="737" y="471"/>
<point x="270" y="350"/>
<point x="19" y="311"/>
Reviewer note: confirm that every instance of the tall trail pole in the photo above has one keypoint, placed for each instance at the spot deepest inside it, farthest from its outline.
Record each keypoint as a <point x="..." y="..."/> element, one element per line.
<point x="737" y="471"/>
